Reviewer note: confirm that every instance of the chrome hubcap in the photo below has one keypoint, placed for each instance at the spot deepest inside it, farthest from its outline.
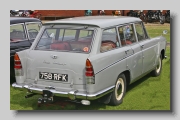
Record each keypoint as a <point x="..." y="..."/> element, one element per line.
<point x="158" y="66"/>
<point x="119" y="90"/>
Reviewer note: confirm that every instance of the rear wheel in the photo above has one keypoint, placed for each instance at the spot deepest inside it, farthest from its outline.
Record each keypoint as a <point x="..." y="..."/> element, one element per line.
<point x="158" y="69"/>
<point x="119" y="91"/>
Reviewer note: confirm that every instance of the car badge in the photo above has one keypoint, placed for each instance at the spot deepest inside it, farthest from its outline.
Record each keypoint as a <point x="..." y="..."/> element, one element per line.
<point x="54" y="56"/>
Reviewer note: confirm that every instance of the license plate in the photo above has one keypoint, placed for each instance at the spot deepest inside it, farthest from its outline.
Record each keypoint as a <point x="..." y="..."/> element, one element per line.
<point x="53" y="76"/>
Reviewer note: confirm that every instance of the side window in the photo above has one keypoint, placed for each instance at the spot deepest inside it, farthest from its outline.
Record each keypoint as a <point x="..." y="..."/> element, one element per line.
<point x="140" y="32"/>
<point x="126" y="34"/>
<point x="109" y="40"/>
<point x="33" y="29"/>
<point x="69" y="35"/>
<point x="47" y="39"/>
<point x="17" y="32"/>
<point x="85" y="35"/>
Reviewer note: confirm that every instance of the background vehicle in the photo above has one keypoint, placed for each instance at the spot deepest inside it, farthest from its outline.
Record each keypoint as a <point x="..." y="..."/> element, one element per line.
<point x="23" y="31"/>
<point x="23" y="13"/>
<point x="141" y="15"/>
<point x="167" y="16"/>
<point x="14" y="12"/>
<point x="132" y="13"/>
<point x="155" y="16"/>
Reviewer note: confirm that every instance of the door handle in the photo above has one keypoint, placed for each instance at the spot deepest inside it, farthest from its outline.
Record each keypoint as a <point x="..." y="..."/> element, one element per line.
<point x="142" y="46"/>
<point x="126" y="51"/>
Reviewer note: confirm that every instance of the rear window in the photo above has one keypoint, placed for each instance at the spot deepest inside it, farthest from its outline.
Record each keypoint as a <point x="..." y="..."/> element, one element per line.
<point x="69" y="40"/>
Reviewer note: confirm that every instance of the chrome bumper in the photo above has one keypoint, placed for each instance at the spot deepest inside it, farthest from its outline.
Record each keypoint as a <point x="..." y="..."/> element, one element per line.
<point x="74" y="94"/>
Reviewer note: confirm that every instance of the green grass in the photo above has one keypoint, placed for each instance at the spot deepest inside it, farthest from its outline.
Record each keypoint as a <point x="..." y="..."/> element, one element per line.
<point x="148" y="93"/>
<point x="157" y="30"/>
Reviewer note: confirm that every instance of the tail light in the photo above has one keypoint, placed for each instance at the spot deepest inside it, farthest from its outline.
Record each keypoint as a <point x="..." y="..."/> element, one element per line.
<point x="17" y="66"/>
<point x="89" y="73"/>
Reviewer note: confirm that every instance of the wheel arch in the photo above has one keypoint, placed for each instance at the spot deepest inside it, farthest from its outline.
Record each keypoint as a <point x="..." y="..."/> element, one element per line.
<point x="127" y="75"/>
<point x="163" y="54"/>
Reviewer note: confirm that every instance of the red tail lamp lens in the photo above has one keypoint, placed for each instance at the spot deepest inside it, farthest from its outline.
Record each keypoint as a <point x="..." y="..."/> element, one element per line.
<point x="89" y="69"/>
<point x="17" y="62"/>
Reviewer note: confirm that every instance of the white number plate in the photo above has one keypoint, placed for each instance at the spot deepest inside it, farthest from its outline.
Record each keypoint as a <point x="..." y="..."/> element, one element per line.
<point x="53" y="76"/>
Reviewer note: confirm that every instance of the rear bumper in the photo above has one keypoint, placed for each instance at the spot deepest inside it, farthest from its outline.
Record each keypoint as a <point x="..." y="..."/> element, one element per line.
<point x="74" y="94"/>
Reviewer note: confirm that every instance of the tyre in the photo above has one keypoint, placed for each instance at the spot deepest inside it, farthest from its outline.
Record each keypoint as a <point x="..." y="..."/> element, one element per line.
<point x="119" y="91"/>
<point x="157" y="71"/>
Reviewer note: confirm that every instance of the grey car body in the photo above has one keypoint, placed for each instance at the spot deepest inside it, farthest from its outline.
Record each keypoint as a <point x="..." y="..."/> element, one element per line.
<point x="98" y="65"/>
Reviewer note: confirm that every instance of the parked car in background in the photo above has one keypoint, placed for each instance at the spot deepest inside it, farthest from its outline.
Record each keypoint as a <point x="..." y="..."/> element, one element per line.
<point x="88" y="58"/>
<point x="152" y="16"/>
<point x="23" y="31"/>
<point x="14" y="13"/>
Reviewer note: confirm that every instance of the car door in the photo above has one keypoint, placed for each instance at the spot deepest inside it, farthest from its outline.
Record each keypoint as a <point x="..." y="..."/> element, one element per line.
<point x="112" y="59"/>
<point x="148" y="47"/>
<point x="134" y="59"/>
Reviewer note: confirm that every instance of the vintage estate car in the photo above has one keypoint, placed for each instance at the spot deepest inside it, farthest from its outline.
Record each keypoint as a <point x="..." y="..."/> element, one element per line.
<point x="88" y="58"/>
<point x="23" y="31"/>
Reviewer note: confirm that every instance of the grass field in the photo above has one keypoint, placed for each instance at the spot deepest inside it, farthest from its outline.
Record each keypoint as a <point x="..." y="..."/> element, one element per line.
<point x="148" y="93"/>
<point x="154" y="31"/>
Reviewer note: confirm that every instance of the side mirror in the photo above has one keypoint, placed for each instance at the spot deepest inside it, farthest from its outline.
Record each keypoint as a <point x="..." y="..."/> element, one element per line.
<point x="165" y="32"/>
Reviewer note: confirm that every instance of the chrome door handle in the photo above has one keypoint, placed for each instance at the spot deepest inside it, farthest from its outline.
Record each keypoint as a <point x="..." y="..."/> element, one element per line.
<point x="126" y="51"/>
<point x="142" y="46"/>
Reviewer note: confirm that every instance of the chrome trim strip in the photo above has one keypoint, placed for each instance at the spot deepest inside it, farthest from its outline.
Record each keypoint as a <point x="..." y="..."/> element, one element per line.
<point x="114" y="63"/>
<point x="73" y="94"/>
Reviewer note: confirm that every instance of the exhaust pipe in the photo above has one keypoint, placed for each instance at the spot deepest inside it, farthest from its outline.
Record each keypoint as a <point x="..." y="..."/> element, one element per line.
<point x="30" y="95"/>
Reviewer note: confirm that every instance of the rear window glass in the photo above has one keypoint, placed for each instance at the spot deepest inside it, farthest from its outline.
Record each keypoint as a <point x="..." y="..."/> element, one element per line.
<point x="17" y="32"/>
<point x="58" y="39"/>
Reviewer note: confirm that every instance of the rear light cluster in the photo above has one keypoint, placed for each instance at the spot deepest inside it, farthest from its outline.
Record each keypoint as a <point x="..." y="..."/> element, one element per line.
<point x="89" y="73"/>
<point x="17" y="66"/>
<point x="17" y="62"/>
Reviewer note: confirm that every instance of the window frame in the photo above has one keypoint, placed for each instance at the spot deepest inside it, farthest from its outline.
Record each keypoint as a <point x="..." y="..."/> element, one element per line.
<point x="144" y="31"/>
<point x="121" y="25"/>
<point x="76" y="28"/>
<point x="115" y="27"/>
<point x="27" y="28"/>
<point x="25" y="32"/>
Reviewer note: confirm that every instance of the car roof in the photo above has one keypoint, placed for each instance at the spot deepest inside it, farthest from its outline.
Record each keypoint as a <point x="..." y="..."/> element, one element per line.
<point x="15" y="20"/>
<point x="100" y="21"/>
